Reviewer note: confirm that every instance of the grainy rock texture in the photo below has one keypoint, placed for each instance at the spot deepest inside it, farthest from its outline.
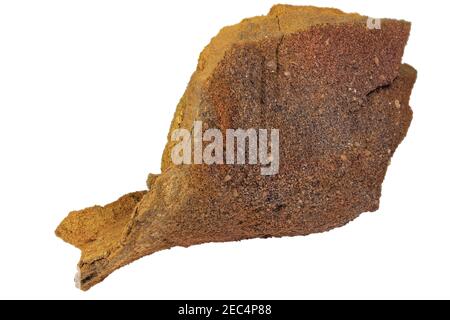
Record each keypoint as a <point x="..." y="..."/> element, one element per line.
<point x="339" y="95"/>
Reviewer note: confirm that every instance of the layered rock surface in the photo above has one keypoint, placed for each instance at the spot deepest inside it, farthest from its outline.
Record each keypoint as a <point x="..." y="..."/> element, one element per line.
<point x="338" y="93"/>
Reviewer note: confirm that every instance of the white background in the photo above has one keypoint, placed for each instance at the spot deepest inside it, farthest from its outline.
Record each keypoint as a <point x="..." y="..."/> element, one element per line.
<point x="87" y="93"/>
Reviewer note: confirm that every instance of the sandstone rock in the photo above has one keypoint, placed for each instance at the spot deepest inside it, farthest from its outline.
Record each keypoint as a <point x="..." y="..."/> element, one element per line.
<point x="339" y="95"/>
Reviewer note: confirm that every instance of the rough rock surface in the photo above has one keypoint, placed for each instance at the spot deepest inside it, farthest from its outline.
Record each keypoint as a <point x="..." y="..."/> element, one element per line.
<point x="339" y="95"/>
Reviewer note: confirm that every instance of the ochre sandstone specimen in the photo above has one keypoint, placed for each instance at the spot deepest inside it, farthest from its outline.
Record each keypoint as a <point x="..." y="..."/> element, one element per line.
<point x="337" y="92"/>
